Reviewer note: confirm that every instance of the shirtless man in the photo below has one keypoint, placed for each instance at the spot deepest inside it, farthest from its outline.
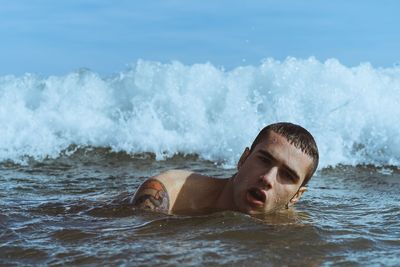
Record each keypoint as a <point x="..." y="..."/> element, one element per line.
<point x="271" y="175"/>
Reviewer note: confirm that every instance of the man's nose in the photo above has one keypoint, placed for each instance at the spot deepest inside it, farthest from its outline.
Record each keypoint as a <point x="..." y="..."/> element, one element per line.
<point x="269" y="177"/>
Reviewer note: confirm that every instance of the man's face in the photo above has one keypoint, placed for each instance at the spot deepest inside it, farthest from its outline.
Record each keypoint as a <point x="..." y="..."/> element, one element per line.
<point x="270" y="176"/>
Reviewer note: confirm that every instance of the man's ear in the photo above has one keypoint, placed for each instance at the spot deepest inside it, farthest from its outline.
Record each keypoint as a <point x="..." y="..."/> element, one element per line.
<point x="297" y="196"/>
<point x="243" y="158"/>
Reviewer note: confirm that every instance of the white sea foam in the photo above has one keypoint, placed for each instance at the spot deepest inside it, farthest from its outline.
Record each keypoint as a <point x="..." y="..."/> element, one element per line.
<point x="169" y="108"/>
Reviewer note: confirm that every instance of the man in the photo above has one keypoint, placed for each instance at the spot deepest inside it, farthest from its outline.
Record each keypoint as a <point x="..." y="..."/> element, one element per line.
<point x="271" y="175"/>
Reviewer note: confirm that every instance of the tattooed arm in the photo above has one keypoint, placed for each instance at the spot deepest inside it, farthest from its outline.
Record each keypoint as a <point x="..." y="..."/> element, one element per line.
<point x="151" y="195"/>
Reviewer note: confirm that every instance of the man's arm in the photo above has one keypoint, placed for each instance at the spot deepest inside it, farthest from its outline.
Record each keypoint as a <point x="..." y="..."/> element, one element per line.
<point x="151" y="195"/>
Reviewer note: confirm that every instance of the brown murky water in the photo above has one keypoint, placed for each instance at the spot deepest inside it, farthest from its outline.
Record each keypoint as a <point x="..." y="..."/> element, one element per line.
<point x="66" y="212"/>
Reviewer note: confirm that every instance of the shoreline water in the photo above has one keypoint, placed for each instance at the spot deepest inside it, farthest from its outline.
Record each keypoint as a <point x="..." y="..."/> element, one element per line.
<point x="61" y="211"/>
<point x="72" y="144"/>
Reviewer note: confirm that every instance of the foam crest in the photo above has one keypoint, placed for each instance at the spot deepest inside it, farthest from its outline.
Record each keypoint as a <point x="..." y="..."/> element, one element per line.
<point x="202" y="109"/>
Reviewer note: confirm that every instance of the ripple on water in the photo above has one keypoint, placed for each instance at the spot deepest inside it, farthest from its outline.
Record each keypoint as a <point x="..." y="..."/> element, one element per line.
<point x="23" y="255"/>
<point x="72" y="235"/>
<point x="69" y="217"/>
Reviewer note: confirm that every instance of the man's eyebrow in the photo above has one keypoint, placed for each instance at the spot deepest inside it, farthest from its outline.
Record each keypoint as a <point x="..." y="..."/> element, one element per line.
<point x="292" y="172"/>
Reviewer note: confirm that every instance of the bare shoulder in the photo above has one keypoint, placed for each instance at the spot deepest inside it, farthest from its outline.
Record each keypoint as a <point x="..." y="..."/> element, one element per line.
<point x="152" y="195"/>
<point x="174" y="175"/>
<point x="159" y="192"/>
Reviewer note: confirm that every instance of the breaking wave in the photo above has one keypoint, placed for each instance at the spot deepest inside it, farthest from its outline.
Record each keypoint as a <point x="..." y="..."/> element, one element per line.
<point x="203" y="109"/>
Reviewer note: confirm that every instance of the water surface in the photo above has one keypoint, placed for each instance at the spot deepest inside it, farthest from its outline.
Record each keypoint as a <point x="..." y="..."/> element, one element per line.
<point x="65" y="211"/>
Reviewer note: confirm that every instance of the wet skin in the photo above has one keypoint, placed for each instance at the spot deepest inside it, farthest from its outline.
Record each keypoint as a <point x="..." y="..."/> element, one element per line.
<point x="270" y="176"/>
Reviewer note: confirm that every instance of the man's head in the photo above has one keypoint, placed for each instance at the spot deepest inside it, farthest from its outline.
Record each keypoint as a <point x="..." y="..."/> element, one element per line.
<point x="274" y="171"/>
<point x="295" y="135"/>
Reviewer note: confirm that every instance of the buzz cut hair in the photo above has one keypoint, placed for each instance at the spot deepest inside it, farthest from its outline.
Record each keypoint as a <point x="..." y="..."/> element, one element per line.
<point x="296" y="136"/>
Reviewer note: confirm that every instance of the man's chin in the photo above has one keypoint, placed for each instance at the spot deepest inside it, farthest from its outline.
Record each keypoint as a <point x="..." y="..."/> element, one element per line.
<point x="248" y="209"/>
<point x="260" y="213"/>
<point x="253" y="211"/>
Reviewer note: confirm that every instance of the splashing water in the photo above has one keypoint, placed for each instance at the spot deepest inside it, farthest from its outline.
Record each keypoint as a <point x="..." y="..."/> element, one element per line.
<point x="202" y="109"/>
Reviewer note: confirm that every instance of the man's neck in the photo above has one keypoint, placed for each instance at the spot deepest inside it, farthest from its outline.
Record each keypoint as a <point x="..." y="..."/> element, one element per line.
<point x="225" y="201"/>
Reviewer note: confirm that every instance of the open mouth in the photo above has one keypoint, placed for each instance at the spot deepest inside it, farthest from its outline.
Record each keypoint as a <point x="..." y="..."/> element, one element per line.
<point x="256" y="195"/>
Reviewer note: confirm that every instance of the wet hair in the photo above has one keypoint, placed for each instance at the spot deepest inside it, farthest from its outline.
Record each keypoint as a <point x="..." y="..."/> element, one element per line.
<point x="295" y="135"/>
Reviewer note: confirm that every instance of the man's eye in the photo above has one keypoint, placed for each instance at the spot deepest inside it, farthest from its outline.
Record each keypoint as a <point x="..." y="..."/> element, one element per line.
<point x="287" y="175"/>
<point x="265" y="160"/>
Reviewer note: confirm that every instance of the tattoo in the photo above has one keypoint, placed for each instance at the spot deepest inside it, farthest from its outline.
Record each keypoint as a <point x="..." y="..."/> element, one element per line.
<point x="151" y="195"/>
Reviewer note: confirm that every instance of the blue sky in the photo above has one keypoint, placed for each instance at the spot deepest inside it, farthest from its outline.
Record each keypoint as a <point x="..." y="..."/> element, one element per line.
<point x="55" y="37"/>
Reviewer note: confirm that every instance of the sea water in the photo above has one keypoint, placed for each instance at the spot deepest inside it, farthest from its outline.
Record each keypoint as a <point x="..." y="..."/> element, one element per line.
<point x="205" y="110"/>
<point x="71" y="145"/>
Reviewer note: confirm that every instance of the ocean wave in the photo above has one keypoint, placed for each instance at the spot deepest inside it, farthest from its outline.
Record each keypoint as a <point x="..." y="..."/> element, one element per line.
<point x="205" y="110"/>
